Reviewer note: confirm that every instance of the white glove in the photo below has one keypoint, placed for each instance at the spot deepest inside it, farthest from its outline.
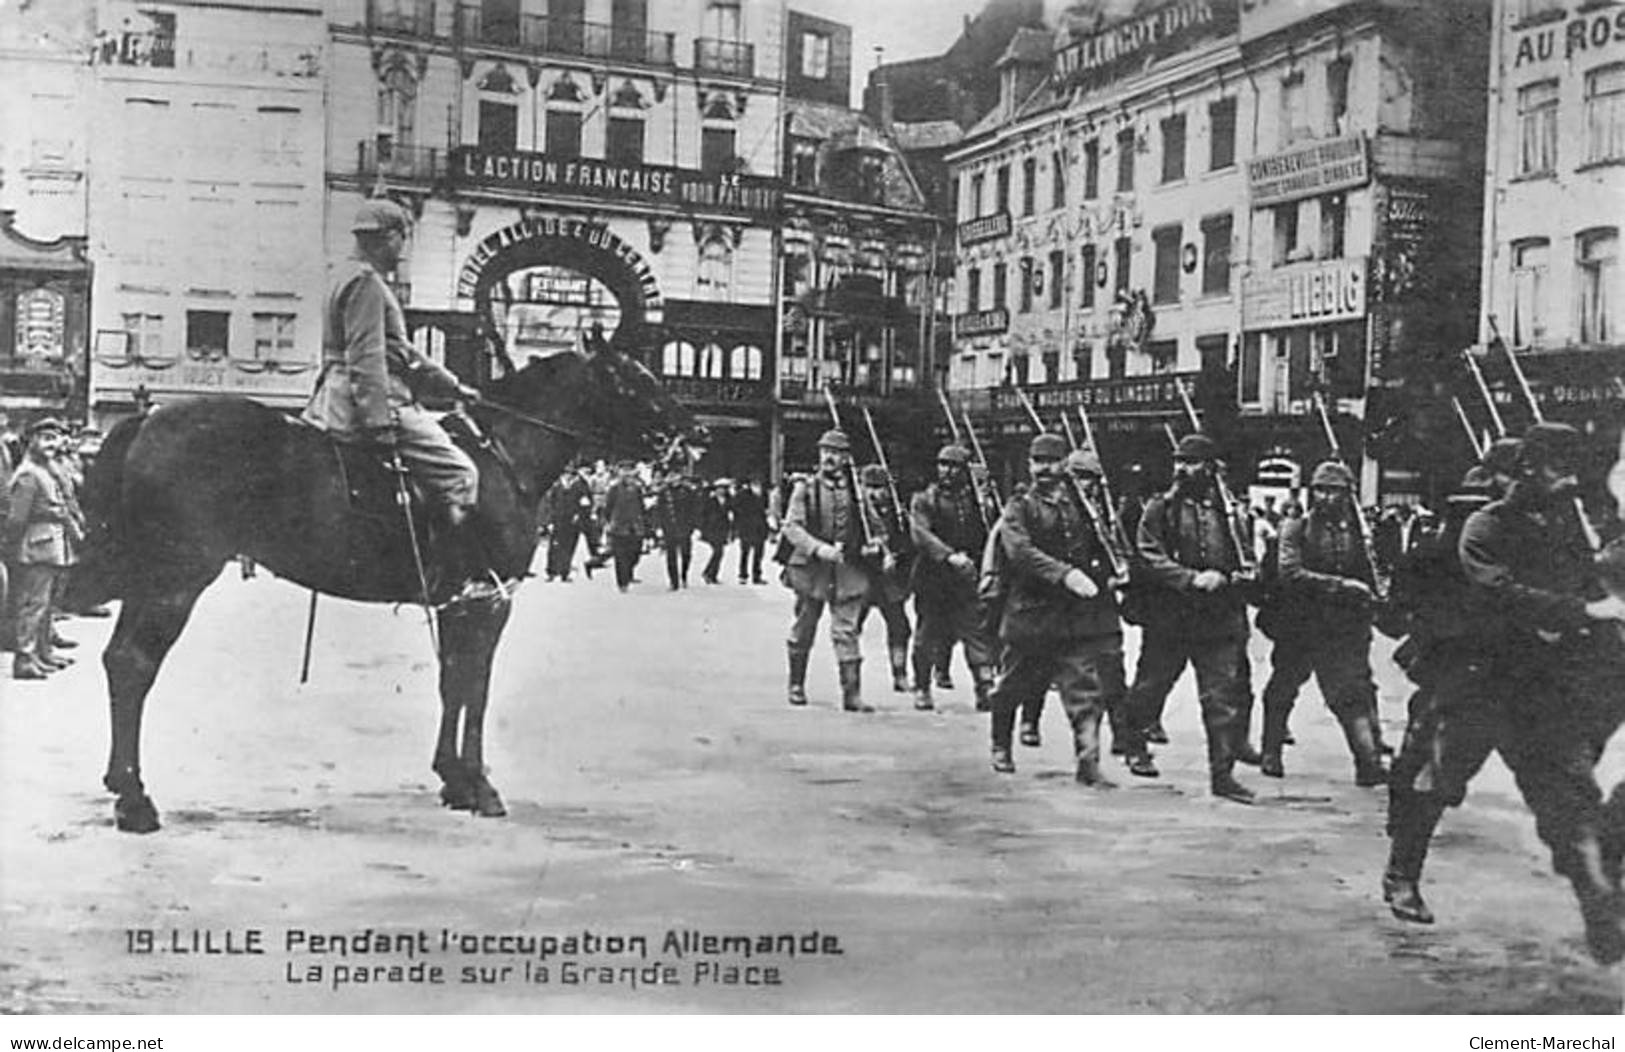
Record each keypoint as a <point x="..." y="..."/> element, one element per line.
<point x="1080" y="584"/>
<point x="1209" y="581"/>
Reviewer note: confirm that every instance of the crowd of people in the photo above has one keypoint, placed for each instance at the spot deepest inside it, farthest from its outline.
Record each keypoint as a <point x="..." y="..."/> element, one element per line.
<point x="41" y="530"/>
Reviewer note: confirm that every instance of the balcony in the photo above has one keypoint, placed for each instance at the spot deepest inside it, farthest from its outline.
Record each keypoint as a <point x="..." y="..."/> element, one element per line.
<point x="725" y="56"/>
<point x="558" y="36"/>
<point x="407" y="18"/>
<point x="417" y="163"/>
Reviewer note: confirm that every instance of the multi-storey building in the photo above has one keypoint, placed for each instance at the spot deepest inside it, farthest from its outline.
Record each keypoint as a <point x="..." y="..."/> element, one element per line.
<point x="1232" y="198"/>
<point x="206" y="205"/>
<point x="44" y="271"/>
<point x="601" y="166"/>
<point x="1553" y="286"/>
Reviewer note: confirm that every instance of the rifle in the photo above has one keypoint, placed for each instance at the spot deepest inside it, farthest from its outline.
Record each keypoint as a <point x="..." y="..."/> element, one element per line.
<point x="1105" y="482"/>
<point x="985" y="488"/>
<point x="1119" y="563"/>
<point x="1467" y="425"/>
<point x="1246" y="562"/>
<point x="1593" y="538"/>
<point x="852" y="476"/>
<point x="891" y="481"/>
<point x="1484" y="392"/>
<point x="1379" y="581"/>
<point x="953" y="425"/>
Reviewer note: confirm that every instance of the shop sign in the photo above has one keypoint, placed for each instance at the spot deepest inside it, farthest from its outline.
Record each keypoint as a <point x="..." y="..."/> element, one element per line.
<point x="1132" y="44"/>
<point x="1309" y="170"/>
<point x="594" y="235"/>
<point x="984" y="228"/>
<point x="716" y="192"/>
<point x="1581" y="35"/>
<point x="1305" y="294"/>
<point x="982" y="322"/>
<point x="204" y="378"/>
<point x="693" y="389"/>
<point x="41" y="324"/>
<point x="1159" y="393"/>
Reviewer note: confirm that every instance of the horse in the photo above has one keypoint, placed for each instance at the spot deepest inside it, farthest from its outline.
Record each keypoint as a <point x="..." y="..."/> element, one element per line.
<point x="177" y="493"/>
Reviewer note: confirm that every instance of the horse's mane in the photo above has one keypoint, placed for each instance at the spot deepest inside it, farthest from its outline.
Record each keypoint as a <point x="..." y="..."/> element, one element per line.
<point x="525" y="386"/>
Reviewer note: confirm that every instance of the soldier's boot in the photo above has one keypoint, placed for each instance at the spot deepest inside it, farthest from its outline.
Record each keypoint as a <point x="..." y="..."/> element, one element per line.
<point x="1003" y="725"/>
<point x="922" y="678"/>
<point x="1599" y="899"/>
<point x="1411" y="820"/>
<point x="1275" y="717"/>
<point x="984" y="687"/>
<point x="1370" y="765"/>
<point x="1135" y="751"/>
<point x="1383" y="748"/>
<point x="1116" y="719"/>
<point x="1221" y="763"/>
<point x="1032" y="712"/>
<point x="852" y="688"/>
<point x="899" y="669"/>
<point x="1086" y="739"/>
<point x="944" y="679"/>
<point x="798" y="677"/>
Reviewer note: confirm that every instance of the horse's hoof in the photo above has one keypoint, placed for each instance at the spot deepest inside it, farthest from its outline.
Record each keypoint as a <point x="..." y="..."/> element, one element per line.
<point x="488" y="803"/>
<point x="458" y="796"/>
<point x="135" y="815"/>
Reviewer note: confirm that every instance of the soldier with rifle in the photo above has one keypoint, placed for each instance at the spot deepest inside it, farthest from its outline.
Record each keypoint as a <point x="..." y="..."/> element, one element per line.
<point x="949" y="526"/>
<point x="888" y="569"/>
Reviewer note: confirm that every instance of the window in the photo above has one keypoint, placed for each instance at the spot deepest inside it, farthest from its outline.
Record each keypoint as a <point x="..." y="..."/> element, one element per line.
<point x="1173" y="148"/>
<point x="1091" y="169"/>
<point x="714" y="274"/>
<point x="745" y="363"/>
<point x="1164" y="355"/>
<point x="1531" y="10"/>
<point x="717" y="150"/>
<point x="1286" y="233"/>
<point x="1221" y="118"/>
<point x="815" y="56"/>
<point x="1530" y="264"/>
<point x="1216" y="232"/>
<point x="1165" y="280"/>
<point x="978" y="183"/>
<point x="1001" y="278"/>
<point x="208" y="333"/>
<point x="677" y="358"/>
<point x="564" y="133"/>
<point x="1116" y="359"/>
<point x="623" y="141"/>
<point x="722" y="20"/>
<point x="1058" y="183"/>
<point x="1027" y="280"/>
<point x="1057" y="265"/>
<point x="397" y="106"/>
<point x="973" y="290"/>
<point x="1019" y="364"/>
<point x="1252" y="369"/>
<point x="711" y="361"/>
<point x="1086" y="268"/>
<point x="1605" y="114"/>
<point x="499" y="21"/>
<point x="1082" y="359"/>
<point x="1537" y="128"/>
<point x="803" y="162"/>
<point x="1597" y="256"/>
<point x="273" y="336"/>
<point x="1001" y="189"/>
<point x="146" y="335"/>
<point x="499" y="126"/>
<point x="1213" y="355"/>
<point x="1333" y="226"/>
<point x="1125" y="160"/>
<point x="1294" y="109"/>
<point x="1121" y="249"/>
<point x="1337" y="94"/>
<point x="278" y="136"/>
<point x="1029" y="185"/>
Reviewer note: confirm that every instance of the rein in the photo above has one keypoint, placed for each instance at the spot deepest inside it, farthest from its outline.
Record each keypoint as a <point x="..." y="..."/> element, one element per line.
<point x="535" y="421"/>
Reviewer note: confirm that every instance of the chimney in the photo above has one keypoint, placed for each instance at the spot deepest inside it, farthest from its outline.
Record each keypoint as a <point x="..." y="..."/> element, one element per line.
<point x="883" y="98"/>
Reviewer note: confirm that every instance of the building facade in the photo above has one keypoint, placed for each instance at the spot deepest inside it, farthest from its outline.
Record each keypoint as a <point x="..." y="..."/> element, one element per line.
<point x="1553" y="286"/>
<point x="1228" y="198"/>
<point x="44" y="269"/>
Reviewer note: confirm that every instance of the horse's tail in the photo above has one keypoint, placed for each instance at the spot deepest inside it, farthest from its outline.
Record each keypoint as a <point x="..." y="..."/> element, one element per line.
<point x="101" y="570"/>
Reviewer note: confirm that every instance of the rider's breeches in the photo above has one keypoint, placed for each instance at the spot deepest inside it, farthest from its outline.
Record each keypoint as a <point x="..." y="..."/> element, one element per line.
<point x="445" y="473"/>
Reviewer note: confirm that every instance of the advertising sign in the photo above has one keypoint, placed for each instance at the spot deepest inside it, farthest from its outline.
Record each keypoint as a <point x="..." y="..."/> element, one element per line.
<point x="1128" y="46"/>
<point x="724" y="192"/>
<point x="1309" y="170"/>
<point x="1305" y="294"/>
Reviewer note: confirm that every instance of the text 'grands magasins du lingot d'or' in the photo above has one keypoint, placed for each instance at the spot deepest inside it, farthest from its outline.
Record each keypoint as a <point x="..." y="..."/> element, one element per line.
<point x="450" y="957"/>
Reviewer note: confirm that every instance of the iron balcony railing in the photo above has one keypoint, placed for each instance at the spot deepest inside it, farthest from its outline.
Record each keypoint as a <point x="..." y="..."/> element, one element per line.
<point x="412" y="18"/>
<point x="424" y="163"/>
<point x="725" y="56"/>
<point x="561" y="36"/>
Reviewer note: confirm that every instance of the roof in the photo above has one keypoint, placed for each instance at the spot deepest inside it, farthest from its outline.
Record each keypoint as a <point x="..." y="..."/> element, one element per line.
<point x="1028" y="46"/>
<point x="927" y="135"/>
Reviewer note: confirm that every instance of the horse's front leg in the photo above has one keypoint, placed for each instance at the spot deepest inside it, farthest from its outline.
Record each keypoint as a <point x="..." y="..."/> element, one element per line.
<point x="468" y="639"/>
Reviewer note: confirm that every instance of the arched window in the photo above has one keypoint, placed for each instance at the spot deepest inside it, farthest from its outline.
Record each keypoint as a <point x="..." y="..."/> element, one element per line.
<point x="714" y="274"/>
<point x="745" y="363"/>
<point x="677" y="358"/>
<point x="711" y="362"/>
<point x="397" y="105"/>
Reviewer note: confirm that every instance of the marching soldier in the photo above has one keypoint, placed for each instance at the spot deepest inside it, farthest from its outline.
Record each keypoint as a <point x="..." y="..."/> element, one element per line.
<point x="827" y="541"/>
<point x="889" y="576"/>
<point x="1060" y="623"/>
<point x="1551" y="675"/>
<point x="1329" y="587"/>
<point x="949" y="534"/>
<point x="1197" y="615"/>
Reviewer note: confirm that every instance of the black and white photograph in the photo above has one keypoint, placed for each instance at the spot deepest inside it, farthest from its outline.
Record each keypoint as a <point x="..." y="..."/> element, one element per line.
<point x="813" y="507"/>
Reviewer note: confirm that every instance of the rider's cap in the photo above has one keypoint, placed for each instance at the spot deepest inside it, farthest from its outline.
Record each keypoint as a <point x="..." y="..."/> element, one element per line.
<point x="380" y="214"/>
<point x="44" y="425"/>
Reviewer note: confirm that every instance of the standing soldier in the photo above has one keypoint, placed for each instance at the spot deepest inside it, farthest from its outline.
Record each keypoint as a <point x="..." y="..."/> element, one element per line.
<point x="40" y="534"/>
<point x="716" y="523"/>
<point x="676" y="504"/>
<point x="749" y="510"/>
<point x="624" y="522"/>
<point x="949" y="533"/>
<point x="889" y="574"/>
<point x="1553" y="677"/>
<point x="1060" y="622"/>
<point x="1329" y="586"/>
<point x="1196" y="616"/>
<point x="827" y="542"/>
<point x="569" y="508"/>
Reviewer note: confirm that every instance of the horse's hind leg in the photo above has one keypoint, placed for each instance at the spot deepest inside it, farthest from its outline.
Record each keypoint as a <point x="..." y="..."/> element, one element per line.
<point x="147" y="627"/>
<point x="468" y="639"/>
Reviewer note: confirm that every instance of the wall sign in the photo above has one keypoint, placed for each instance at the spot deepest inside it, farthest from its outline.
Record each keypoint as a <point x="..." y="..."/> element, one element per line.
<point x="1309" y="170"/>
<point x="1132" y="44"/>
<point x="1305" y="294"/>
<point x="1582" y="35"/>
